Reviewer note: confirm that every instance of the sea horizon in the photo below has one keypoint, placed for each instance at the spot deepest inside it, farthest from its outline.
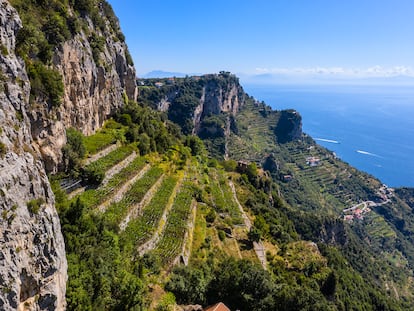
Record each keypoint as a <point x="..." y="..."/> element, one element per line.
<point x="371" y="127"/>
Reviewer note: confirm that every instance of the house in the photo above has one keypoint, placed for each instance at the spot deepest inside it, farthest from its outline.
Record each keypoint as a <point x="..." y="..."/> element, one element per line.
<point x="312" y="161"/>
<point x="287" y="178"/>
<point x="158" y="84"/>
<point x="242" y="166"/>
<point x="218" y="307"/>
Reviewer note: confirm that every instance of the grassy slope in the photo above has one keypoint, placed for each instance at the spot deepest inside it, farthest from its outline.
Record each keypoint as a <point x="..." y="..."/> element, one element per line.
<point x="328" y="189"/>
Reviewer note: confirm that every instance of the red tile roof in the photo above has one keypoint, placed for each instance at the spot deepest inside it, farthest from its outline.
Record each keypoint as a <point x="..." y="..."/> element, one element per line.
<point x="218" y="307"/>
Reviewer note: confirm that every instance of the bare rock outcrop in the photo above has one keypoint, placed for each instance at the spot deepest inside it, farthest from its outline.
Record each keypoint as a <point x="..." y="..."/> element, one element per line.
<point x="221" y="93"/>
<point x="289" y="126"/>
<point x="33" y="267"/>
<point x="93" y="90"/>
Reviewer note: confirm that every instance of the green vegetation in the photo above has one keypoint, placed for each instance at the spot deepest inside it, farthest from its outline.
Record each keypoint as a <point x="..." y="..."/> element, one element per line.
<point x="99" y="276"/>
<point x="142" y="228"/>
<point x="147" y="128"/>
<point x="315" y="260"/>
<point x="100" y="140"/>
<point x="73" y="151"/>
<point x="34" y="205"/>
<point x="117" y="211"/>
<point x="171" y="242"/>
<point x="94" y="197"/>
<point x="46" y="83"/>
<point x="95" y="172"/>
<point x="3" y="149"/>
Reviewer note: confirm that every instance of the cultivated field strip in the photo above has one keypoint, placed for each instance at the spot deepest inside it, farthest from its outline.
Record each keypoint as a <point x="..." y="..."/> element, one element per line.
<point x="94" y="197"/>
<point x="118" y="167"/>
<point x="112" y="158"/>
<point x="170" y="244"/>
<point x="223" y="198"/>
<point x="120" y="192"/>
<point x="101" y="153"/>
<point x="144" y="231"/>
<point x="136" y="210"/>
<point x="116" y="212"/>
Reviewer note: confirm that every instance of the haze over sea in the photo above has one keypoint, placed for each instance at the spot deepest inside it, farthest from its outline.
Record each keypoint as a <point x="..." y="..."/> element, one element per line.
<point x="370" y="127"/>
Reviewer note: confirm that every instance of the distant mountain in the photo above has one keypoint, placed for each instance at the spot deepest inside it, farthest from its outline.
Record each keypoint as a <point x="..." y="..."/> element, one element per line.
<point x="163" y="74"/>
<point x="270" y="78"/>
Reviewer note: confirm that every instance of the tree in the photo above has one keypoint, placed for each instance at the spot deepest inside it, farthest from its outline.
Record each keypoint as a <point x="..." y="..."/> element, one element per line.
<point x="254" y="234"/>
<point x="189" y="285"/>
<point x="144" y="144"/>
<point x="329" y="286"/>
<point x="94" y="174"/>
<point x="196" y="145"/>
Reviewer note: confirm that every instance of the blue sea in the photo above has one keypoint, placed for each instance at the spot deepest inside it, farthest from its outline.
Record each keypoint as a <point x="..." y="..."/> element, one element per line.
<point x="370" y="127"/>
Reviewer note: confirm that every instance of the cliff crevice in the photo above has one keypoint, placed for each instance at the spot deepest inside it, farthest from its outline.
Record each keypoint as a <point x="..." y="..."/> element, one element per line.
<point x="32" y="256"/>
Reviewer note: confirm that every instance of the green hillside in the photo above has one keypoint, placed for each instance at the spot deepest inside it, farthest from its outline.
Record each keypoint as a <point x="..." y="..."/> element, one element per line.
<point x="195" y="193"/>
<point x="165" y="221"/>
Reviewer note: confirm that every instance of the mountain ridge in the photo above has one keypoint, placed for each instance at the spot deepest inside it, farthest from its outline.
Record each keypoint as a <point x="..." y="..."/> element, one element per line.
<point x="179" y="169"/>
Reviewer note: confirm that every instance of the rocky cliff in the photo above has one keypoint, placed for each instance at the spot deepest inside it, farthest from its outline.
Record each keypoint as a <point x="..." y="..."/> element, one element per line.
<point x="32" y="255"/>
<point x="289" y="126"/>
<point x="221" y="93"/>
<point x="97" y="79"/>
<point x="190" y="100"/>
<point x="97" y="76"/>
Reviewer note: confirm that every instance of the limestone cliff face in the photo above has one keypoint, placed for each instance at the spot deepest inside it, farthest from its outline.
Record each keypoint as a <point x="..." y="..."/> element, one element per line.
<point x="289" y="126"/>
<point x="32" y="253"/>
<point x="220" y="94"/>
<point x="93" y="90"/>
<point x="188" y="101"/>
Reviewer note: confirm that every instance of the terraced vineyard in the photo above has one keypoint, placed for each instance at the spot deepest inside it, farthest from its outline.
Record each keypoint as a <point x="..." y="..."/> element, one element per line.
<point x="255" y="136"/>
<point x="117" y="211"/>
<point x="163" y="215"/>
<point x="94" y="197"/>
<point x="111" y="159"/>
<point x="222" y="197"/>
<point x="141" y="229"/>
<point x="171" y="242"/>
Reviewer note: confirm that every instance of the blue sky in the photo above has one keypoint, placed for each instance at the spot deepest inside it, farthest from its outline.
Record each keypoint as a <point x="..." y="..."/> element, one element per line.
<point x="297" y="37"/>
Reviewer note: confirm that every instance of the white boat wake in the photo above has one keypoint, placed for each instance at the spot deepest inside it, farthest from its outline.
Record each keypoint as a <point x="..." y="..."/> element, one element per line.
<point x="368" y="153"/>
<point x="327" y="140"/>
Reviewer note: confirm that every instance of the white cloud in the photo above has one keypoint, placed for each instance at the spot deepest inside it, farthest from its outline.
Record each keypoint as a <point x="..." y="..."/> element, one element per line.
<point x="370" y="72"/>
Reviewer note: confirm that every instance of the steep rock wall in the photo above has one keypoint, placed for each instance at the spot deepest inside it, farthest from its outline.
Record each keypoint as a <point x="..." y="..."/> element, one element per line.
<point x="93" y="90"/>
<point x="188" y="101"/>
<point x="220" y="94"/>
<point x="289" y="127"/>
<point x="32" y="252"/>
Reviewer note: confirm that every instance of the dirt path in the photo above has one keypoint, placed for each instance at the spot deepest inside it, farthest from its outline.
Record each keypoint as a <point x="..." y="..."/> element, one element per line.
<point x="188" y="237"/>
<point x="135" y="210"/>
<point x="246" y="219"/>
<point x="118" y="167"/>
<point x="259" y="248"/>
<point x="101" y="153"/>
<point x="120" y="193"/>
<point x="151" y="243"/>
<point x="76" y="192"/>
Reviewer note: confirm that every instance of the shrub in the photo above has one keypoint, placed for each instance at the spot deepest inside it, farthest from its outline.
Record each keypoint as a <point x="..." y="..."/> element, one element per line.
<point x="3" y="149"/>
<point x="94" y="174"/>
<point x="56" y="29"/>
<point x="97" y="44"/>
<point x="211" y="216"/>
<point x="3" y="50"/>
<point x="45" y="83"/>
<point x="221" y="235"/>
<point x="34" y="205"/>
<point x="73" y="151"/>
